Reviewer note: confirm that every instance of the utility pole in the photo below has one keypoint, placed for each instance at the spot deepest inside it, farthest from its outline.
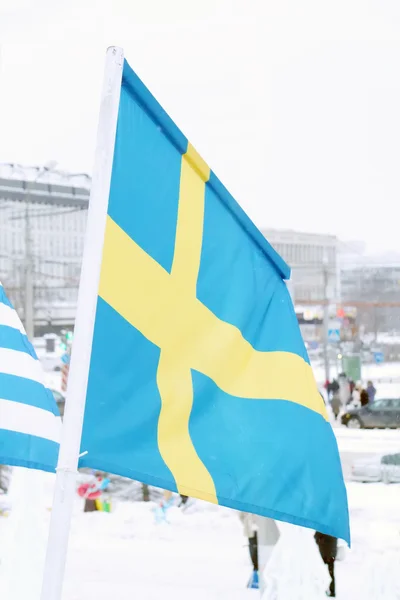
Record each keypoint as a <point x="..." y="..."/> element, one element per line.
<point x="326" y="319"/>
<point x="29" y="299"/>
<point x="29" y="291"/>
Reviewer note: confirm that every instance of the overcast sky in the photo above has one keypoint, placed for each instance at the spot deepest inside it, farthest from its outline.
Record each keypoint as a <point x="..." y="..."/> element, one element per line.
<point x="295" y="104"/>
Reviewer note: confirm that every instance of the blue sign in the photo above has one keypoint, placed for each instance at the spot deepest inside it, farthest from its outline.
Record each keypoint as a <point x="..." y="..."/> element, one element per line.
<point x="379" y="357"/>
<point x="334" y="335"/>
<point x="65" y="358"/>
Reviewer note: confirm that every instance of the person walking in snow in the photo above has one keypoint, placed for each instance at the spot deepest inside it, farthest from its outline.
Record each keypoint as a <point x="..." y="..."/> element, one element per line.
<point x="333" y="388"/>
<point x="356" y="397"/>
<point x="336" y="404"/>
<point x="183" y="500"/>
<point x="344" y="389"/>
<point x="371" y="391"/>
<point x="328" y="546"/>
<point x="364" y="397"/>
<point x="250" y="531"/>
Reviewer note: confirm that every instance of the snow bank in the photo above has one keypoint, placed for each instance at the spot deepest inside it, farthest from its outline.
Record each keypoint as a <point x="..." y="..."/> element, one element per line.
<point x="295" y="569"/>
<point x="200" y="554"/>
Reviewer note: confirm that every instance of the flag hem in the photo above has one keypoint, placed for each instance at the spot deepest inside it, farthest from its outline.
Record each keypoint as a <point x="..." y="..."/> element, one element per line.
<point x="227" y="502"/>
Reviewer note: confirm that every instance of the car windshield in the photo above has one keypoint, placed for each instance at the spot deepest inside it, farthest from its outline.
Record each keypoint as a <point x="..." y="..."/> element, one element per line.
<point x="385" y="404"/>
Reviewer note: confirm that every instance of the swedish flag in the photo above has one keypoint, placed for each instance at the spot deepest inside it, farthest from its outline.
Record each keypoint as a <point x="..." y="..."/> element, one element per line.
<point x="199" y="381"/>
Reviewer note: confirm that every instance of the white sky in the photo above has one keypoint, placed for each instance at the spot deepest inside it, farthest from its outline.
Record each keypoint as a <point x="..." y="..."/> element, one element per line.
<point x="295" y="104"/>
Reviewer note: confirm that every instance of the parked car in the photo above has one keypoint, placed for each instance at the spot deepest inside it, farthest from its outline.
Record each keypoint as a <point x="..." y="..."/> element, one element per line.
<point x="60" y="399"/>
<point x="391" y="468"/>
<point x="383" y="413"/>
<point x="367" y="470"/>
<point x="377" y="468"/>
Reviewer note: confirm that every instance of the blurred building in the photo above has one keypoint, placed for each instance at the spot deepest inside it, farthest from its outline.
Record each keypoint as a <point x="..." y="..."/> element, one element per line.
<point x="372" y="283"/>
<point x="377" y="285"/>
<point x="311" y="257"/>
<point x="50" y="207"/>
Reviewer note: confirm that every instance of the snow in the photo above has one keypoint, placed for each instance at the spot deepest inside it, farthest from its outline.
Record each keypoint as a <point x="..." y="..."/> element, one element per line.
<point x="200" y="553"/>
<point x="23" y="536"/>
<point x="368" y="441"/>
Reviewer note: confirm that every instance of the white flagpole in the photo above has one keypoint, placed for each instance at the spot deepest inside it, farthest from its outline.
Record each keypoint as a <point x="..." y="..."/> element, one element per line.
<point x="80" y="360"/>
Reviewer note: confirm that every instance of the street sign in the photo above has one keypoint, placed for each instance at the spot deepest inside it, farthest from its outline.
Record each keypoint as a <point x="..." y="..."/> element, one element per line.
<point x="334" y="335"/>
<point x="65" y="358"/>
<point x="379" y="357"/>
<point x="351" y="365"/>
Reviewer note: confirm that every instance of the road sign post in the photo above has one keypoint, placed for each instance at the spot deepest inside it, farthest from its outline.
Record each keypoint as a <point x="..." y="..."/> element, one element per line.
<point x="333" y="335"/>
<point x="352" y="366"/>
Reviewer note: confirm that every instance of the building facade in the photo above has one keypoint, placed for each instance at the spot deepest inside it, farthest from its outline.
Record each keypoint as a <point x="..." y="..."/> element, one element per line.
<point x="42" y="220"/>
<point x="313" y="259"/>
<point x="43" y="214"/>
<point x="372" y="283"/>
<point x="377" y="285"/>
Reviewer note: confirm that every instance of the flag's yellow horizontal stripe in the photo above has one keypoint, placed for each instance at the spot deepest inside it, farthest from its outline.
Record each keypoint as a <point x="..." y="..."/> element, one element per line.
<point x="144" y="294"/>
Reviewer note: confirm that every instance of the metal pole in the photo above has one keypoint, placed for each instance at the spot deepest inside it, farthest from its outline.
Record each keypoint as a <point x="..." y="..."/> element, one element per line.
<point x="80" y="360"/>
<point x="29" y="299"/>
<point x="326" y="322"/>
<point x="28" y="304"/>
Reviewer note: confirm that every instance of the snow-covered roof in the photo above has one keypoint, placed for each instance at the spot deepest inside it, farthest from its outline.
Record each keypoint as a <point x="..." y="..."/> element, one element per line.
<point x="54" y="176"/>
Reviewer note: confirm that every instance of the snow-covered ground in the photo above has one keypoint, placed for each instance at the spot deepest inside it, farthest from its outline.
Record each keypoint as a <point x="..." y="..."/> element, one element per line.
<point x="202" y="554"/>
<point x="368" y="441"/>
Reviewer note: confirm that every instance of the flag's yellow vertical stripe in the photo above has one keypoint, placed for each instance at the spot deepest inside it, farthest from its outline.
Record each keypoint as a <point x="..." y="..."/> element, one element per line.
<point x="174" y="382"/>
<point x="174" y="378"/>
<point x="189" y="228"/>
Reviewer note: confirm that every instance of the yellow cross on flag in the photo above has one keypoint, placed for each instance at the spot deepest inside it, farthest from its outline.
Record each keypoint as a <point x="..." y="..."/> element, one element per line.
<point x="199" y="381"/>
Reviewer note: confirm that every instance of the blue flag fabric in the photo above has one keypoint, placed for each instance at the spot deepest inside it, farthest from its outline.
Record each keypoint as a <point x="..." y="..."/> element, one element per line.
<point x="30" y="424"/>
<point x="199" y="380"/>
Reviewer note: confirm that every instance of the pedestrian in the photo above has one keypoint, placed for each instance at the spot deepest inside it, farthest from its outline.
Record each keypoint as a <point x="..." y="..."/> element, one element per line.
<point x="164" y="504"/>
<point x="183" y="500"/>
<point x="371" y="391"/>
<point x="364" y="397"/>
<point x="92" y="491"/>
<point x="344" y="389"/>
<point x="328" y="550"/>
<point x="250" y="531"/>
<point x="336" y="404"/>
<point x="356" y="396"/>
<point x="332" y="388"/>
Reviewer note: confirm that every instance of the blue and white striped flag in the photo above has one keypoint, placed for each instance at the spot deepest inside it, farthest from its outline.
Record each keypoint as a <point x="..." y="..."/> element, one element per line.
<point x="30" y="425"/>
